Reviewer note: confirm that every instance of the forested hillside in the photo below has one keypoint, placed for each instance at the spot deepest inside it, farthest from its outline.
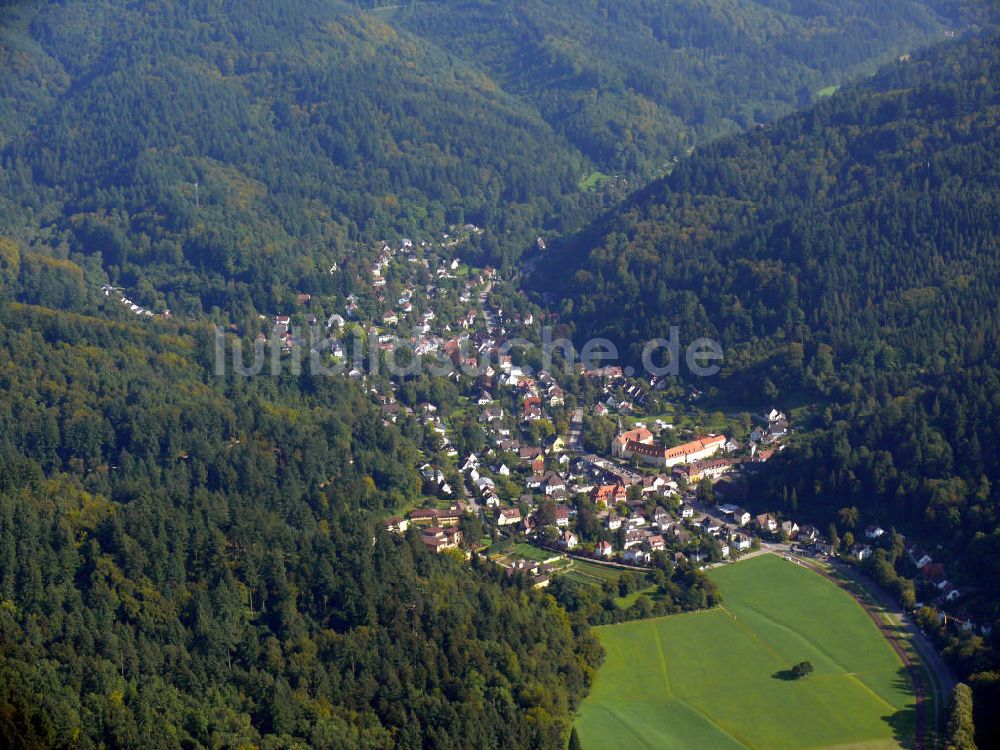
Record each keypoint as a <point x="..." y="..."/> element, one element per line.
<point x="856" y="240"/>
<point x="634" y="83"/>
<point x="219" y="153"/>
<point x="192" y="561"/>
<point x="847" y="257"/>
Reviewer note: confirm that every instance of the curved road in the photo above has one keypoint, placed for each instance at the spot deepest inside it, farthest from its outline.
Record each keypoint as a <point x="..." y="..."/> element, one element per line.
<point x="941" y="678"/>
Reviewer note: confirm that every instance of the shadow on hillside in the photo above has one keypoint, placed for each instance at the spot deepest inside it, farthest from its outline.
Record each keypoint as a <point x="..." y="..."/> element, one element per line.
<point x="904" y="722"/>
<point x="785" y="674"/>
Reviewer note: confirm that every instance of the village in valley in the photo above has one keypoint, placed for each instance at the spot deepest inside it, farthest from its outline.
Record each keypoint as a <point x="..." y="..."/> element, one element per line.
<point x="579" y="469"/>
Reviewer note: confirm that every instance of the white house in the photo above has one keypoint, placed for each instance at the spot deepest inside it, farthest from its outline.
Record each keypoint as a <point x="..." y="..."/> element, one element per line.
<point x="509" y="517"/>
<point x="741" y="542"/>
<point x="634" y="538"/>
<point x="790" y="527"/>
<point x="637" y="556"/>
<point x="767" y="522"/>
<point x="920" y="558"/>
<point x="862" y="552"/>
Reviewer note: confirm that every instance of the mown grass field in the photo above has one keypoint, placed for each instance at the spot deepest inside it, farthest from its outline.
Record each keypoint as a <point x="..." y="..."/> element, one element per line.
<point x="719" y="678"/>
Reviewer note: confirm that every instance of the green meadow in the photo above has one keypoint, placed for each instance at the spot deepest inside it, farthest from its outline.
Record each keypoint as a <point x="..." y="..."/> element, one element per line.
<point x="592" y="181"/>
<point x="721" y="678"/>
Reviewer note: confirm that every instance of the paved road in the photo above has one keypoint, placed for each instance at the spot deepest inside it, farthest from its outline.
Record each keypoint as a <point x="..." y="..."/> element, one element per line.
<point x="898" y="627"/>
<point x="943" y="679"/>
<point x="576" y="431"/>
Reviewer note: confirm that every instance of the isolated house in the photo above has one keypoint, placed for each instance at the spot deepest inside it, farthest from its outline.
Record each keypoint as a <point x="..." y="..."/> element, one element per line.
<point x="808" y="534"/>
<point x="919" y="557"/>
<point x="396" y="525"/>
<point x="552" y="483"/>
<point x="874" y="532"/>
<point x="438" y="539"/>
<point x="709" y="525"/>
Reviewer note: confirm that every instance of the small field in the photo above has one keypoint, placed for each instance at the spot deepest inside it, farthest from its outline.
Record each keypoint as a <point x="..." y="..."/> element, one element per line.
<point x="529" y="552"/>
<point x="508" y="551"/>
<point x="593" y="573"/>
<point x="721" y="678"/>
<point x="592" y="181"/>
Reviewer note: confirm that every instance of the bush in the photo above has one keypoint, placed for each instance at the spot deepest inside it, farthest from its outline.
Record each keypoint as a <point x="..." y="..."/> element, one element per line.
<point x="802" y="669"/>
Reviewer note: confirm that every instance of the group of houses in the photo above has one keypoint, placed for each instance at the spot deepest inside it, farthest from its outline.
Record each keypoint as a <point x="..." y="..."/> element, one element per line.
<point x="521" y="483"/>
<point x="630" y="514"/>
<point x="136" y="309"/>
<point x="933" y="575"/>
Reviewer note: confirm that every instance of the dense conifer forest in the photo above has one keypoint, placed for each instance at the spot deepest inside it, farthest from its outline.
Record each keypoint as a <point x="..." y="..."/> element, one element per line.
<point x="187" y="561"/>
<point x="853" y="241"/>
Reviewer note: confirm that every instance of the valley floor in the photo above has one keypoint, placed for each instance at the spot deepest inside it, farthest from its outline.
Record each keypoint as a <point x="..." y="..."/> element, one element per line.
<point x="721" y="678"/>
